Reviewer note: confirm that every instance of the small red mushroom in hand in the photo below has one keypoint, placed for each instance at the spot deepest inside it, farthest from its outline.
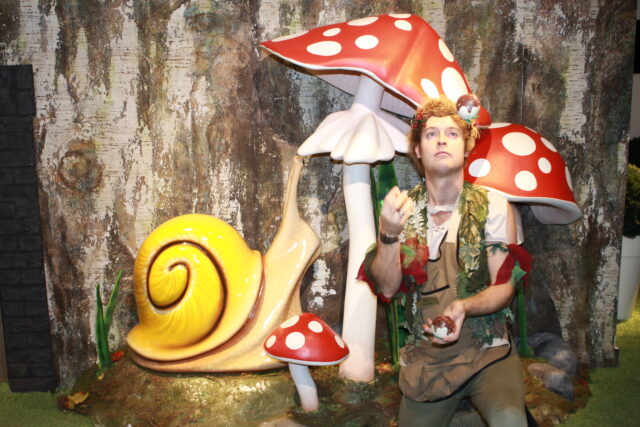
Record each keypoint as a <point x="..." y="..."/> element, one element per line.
<point x="306" y="340"/>
<point x="468" y="106"/>
<point x="442" y="326"/>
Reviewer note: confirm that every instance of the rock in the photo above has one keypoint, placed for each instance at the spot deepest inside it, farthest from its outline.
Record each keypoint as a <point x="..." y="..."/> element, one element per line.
<point x="556" y="380"/>
<point x="555" y="351"/>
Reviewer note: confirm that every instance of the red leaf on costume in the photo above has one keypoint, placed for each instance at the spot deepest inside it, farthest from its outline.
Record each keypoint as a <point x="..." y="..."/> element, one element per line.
<point x="362" y="275"/>
<point x="519" y="254"/>
<point x="421" y="251"/>
<point x="504" y="274"/>
<point x="415" y="270"/>
<point x="413" y="261"/>
<point x="413" y="258"/>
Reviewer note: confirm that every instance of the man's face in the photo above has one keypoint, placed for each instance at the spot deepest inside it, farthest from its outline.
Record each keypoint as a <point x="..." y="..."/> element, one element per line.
<point x="441" y="148"/>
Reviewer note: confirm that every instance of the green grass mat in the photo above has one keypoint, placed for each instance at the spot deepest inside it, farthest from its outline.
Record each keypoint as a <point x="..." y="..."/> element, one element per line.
<point x="615" y="399"/>
<point x="35" y="410"/>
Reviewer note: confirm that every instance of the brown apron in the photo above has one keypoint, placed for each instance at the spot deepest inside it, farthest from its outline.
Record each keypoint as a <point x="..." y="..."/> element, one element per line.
<point x="430" y="371"/>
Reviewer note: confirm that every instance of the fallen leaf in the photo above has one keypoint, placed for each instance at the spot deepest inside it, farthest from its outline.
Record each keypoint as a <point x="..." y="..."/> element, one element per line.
<point x="117" y="355"/>
<point x="384" y="368"/>
<point x="68" y="403"/>
<point x="78" y="397"/>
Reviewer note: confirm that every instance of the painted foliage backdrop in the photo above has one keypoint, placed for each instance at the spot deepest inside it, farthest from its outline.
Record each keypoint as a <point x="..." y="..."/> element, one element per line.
<point x="151" y="109"/>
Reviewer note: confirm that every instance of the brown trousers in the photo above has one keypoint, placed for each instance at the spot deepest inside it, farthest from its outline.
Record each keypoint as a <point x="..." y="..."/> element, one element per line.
<point x="497" y="392"/>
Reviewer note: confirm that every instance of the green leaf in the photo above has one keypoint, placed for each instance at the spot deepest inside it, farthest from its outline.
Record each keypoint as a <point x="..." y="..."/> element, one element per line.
<point x="101" y="335"/>
<point x="112" y="302"/>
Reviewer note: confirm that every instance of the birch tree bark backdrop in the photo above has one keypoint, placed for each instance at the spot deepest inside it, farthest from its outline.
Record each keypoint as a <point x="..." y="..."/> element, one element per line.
<point x="151" y="109"/>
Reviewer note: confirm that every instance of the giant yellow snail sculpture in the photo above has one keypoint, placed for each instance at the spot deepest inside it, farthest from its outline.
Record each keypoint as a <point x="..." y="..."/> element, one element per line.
<point x="206" y="301"/>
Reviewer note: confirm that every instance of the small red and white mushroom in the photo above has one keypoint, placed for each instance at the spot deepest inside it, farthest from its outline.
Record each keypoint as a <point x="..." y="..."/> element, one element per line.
<point x="468" y="106"/>
<point x="442" y="326"/>
<point x="302" y="341"/>
<point x="524" y="166"/>
<point x="388" y="62"/>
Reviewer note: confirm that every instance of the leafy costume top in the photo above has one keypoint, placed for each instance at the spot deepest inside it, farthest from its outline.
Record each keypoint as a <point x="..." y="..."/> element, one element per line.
<point x="462" y="266"/>
<point x="473" y="275"/>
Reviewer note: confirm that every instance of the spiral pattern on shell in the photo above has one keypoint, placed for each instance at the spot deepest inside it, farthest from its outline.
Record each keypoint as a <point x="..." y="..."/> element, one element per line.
<point x="196" y="283"/>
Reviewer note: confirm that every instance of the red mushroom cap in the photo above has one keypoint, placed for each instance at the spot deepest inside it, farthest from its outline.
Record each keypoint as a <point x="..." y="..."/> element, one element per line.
<point x="306" y="339"/>
<point x="400" y="51"/>
<point x="525" y="167"/>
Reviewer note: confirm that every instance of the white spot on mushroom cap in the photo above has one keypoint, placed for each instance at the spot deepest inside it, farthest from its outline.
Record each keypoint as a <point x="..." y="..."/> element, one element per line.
<point x="331" y="32"/>
<point x="289" y="37"/>
<point x="453" y="84"/>
<point x="480" y="168"/>
<point x="403" y="25"/>
<point x="429" y="88"/>
<point x="519" y="143"/>
<point x="498" y="125"/>
<point x="339" y="341"/>
<point x="400" y="15"/>
<point x="325" y="48"/>
<point x="367" y="42"/>
<point x="444" y="50"/>
<point x="294" y="341"/>
<point x="315" y="326"/>
<point x="363" y="21"/>
<point x="568" y="175"/>
<point x="271" y="341"/>
<point x="544" y="164"/>
<point x="549" y="145"/>
<point x="526" y="181"/>
<point x="290" y="322"/>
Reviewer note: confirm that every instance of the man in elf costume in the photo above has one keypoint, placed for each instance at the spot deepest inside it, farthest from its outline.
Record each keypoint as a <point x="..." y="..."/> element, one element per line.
<point x="447" y="248"/>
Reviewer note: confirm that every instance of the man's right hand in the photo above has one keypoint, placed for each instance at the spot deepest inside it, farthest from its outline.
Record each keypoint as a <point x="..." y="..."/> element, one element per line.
<point x="396" y="209"/>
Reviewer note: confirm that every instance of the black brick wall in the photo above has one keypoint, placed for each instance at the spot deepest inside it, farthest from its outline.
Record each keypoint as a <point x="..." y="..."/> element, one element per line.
<point x="23" y="296"/>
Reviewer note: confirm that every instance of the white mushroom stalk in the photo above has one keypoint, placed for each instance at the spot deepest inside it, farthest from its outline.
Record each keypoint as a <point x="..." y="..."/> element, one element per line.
<point x="359" y="136"/>
<point x="305" y="386"/>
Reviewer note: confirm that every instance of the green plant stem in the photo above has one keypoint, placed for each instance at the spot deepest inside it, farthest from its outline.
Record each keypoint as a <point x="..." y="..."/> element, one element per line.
<point x="104" y="358"/>
<point x="379" y="188"/>
<point x="112" y="302"/>
<point x="524" y="349"/>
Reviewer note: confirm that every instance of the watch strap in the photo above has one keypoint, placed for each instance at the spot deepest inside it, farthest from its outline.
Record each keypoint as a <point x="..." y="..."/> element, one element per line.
<point x="387" y="239"/>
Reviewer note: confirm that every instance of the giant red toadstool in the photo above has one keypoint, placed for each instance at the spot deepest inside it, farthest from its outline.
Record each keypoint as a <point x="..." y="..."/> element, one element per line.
<point x="399" y="51"/>
<point x="306" y="340"/>
<point x="521" y="164"/>
<point x="393" y="62"/>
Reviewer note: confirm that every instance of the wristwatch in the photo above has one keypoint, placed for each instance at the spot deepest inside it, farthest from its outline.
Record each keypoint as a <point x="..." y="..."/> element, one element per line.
<point x="387" y="239"/>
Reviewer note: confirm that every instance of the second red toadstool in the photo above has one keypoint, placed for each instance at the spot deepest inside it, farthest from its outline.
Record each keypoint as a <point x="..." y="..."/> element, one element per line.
<point x="526" y="168"/>
<point x="306" y="340"/>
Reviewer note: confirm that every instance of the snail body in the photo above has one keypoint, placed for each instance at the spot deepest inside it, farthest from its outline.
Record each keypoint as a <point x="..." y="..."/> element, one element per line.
<point x="206" y="301"/>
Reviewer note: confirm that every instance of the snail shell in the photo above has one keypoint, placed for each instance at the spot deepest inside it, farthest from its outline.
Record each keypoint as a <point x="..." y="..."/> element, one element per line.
<point x="196" y="283"/>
